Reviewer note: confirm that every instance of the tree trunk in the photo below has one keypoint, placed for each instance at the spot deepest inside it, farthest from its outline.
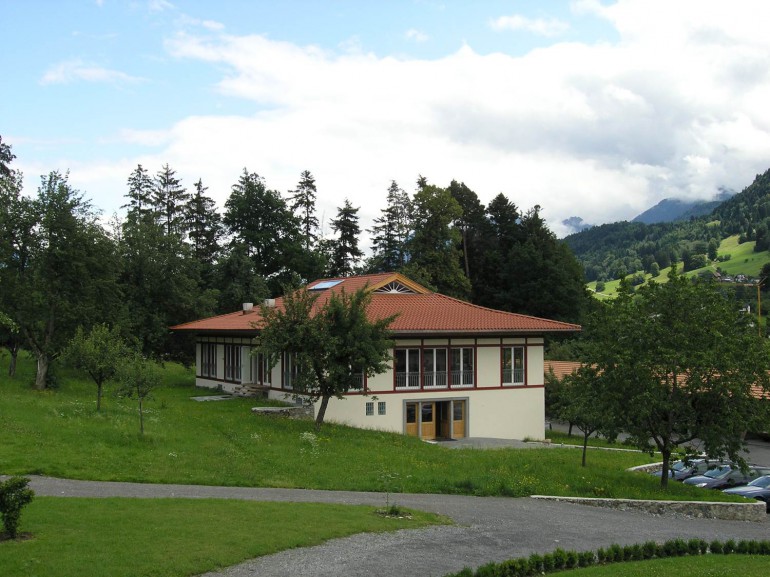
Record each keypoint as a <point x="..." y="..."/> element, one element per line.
<point x="141" y="417"/>
<point x="665" y="469"/>
<point x="585" y="446"/>
<point x="14" y="350"/>
<point x="98" y="397"/>
<point x="43" y="362"/>
<point x="319" y="418"/>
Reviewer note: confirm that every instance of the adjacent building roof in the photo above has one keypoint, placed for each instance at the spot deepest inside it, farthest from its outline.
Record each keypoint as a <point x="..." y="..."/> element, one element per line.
<point x="420" y="311"/>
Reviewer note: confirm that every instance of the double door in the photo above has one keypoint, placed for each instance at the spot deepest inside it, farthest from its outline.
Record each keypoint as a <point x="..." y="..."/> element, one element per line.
<point x="436" y="419"/>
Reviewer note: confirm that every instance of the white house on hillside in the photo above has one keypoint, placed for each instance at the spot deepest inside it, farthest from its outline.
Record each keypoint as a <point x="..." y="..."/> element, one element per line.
<point x="458" y="369"/>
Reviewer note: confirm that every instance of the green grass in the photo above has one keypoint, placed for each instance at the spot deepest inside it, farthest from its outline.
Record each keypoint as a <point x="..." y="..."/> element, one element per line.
<point x="175" y="537"/>
<point x="743" y="260"/>
<point x="705" y="566"/>
<point x="58" y="433"/>
<point x="557" y="437"/>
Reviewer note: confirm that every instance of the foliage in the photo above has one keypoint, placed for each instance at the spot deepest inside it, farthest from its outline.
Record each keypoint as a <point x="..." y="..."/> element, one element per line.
<point x="14" y="496"/>
<point x="61" y="271"/>
<point x="678" y="362"/>
<point x="303" y="200"/>
<point x="561" y="560"/>
<point x="345" y="253"/>
<point x="391" y="231"/>
<point x="334" y="344"/>
<point x="98" y="353"/>
<point x="138" y="378"/>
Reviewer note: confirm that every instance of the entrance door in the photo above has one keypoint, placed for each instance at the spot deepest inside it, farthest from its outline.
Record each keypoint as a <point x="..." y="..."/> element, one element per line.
<point x="428" y="420"/>
<point x="411" y="419"/>
<point x="458" y="419"/>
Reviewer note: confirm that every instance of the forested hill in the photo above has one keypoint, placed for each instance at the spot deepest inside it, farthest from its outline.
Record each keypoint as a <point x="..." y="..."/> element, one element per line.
<point x="614" y="250"/>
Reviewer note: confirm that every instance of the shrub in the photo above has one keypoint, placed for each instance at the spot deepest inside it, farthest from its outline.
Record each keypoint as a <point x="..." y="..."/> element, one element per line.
<point x="716" y="547"/>
<point x="601" y="555"/>
<point x="649" y="549"/>
<point x="536" y="563"/>
<point x="729" y="547"/>
<point x="586" y="559"/>
<point x="548" y="563"/>
<point x="615" y="553"/>
<point x="571" y="560"/>
<point x="559" y="559"/>
<point x="14" y="495"/>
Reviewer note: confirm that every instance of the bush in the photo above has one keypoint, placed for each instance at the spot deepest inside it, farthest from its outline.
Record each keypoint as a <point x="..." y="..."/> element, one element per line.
<point x="586" y="559"/>
<point x="536" y="564"/>
<point x="571" y="559"/>
<point x="729" y="547"/>
<point x="14" y="495"/>
<point x="649" y="549"/>
<point x="716" y="547"/>
<point x="559" y="559"/>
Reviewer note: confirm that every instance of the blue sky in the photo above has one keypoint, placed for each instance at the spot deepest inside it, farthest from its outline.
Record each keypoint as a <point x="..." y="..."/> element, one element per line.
<point x="591" y="108"/>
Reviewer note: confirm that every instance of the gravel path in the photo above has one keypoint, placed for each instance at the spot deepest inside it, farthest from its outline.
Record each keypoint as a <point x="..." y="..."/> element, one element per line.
<point x="487" y="529"/>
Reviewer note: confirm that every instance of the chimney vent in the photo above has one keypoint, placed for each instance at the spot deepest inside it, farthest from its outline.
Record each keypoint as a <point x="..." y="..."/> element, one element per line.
<point x="247" y="307"/>
<point x="270" y="303"/>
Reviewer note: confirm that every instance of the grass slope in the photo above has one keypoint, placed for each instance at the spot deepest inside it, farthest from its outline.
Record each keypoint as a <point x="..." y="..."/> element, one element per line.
<point x="175" y="537"/>
<point x="706" y="566"/>
<point x="58" y="433"/>
<point x="743" y="260"/>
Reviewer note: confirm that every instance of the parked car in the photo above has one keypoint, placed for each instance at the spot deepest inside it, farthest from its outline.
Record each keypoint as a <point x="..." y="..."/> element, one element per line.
<point x="681" y="470"/>
<point x="726" y="476"/>
<point x="759" y="488"/>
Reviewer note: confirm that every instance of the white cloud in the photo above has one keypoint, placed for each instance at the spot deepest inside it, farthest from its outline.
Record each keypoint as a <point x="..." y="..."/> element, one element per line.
<point x="675" y="108"/>
<point x="159" y="5"/>
<point x="77" y="70"/>
<point x="416" y="35"/>
<point x="550" y="27"/>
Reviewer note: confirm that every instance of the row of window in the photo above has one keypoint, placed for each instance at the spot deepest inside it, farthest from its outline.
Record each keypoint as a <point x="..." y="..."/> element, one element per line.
<point x="415" y="368"/>
<point x="370" y="408"/>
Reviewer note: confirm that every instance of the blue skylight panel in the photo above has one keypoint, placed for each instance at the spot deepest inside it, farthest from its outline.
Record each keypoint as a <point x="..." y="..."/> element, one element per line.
<point x="327" y="284"/>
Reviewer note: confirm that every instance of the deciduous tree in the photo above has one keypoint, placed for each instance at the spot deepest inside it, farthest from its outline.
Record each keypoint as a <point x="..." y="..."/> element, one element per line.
<point x="334" y="343"/>
<point x="679" y="361"/>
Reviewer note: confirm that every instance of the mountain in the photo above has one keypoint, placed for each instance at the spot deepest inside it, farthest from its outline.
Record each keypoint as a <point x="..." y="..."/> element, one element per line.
<point x="575" y="224"/>
<point x="672" y="209"/>
<point x="611" y="251"/>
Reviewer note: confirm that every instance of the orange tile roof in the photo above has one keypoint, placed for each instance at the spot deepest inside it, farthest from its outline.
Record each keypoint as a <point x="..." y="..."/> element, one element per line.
<point x="561" y="368"/>
<point x="419" y="313"/>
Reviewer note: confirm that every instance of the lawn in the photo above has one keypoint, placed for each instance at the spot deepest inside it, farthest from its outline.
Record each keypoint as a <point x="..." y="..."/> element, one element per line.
<point x="59" y="433"/>
<point x="175" y="537"/>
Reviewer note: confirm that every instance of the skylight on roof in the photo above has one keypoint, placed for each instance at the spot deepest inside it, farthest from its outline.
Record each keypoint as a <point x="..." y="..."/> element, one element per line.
<point x="327" y="284"/>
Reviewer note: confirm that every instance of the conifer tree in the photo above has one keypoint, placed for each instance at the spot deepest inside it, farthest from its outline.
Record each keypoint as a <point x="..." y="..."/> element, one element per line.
<point x="303" y="206"/>
<point x="345" y="251"/>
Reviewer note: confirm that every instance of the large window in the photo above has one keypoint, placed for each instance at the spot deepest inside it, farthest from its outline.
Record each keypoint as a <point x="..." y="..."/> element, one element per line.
<point x="462" y="367"/>
<point x="233" y="363"/>
<point x="434" y="368"/>
<point x="513" y="365"/>
<point x="290" y="370"/>
<point x="208" y="360"/>
<point x="407" y="362"/>
<point x="262" y="370"/>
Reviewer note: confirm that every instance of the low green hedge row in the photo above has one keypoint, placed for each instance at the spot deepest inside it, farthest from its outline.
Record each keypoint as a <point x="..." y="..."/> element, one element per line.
<point x="561" y="560"/>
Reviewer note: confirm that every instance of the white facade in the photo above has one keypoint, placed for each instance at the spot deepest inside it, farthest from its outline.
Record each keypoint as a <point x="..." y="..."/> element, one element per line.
<point x="492" y="396"/>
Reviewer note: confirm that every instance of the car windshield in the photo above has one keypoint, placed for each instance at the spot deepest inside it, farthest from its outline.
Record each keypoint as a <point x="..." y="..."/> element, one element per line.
<point x="718" y="472"/>
<point x="679" y="466"/>
<point x="761" y="482"/>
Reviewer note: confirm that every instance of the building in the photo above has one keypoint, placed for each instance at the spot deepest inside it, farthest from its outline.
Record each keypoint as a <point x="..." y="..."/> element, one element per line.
<point x="458" y="369"/>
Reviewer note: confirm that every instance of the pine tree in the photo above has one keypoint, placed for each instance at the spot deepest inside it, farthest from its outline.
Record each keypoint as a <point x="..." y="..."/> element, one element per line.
<point x="345" y="251"/>
<point x="140" y="192"/>
<point x="204" y="229"/>
<point x="169" y="199"/>
<point x="391" y="231"/>
<point x="303" y="206"/>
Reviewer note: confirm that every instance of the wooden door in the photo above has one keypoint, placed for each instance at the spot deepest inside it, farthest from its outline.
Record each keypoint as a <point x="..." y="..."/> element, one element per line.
<point x="411" y="419"/>
<point x="428" y="420"/>
<point x="458" y="419"/>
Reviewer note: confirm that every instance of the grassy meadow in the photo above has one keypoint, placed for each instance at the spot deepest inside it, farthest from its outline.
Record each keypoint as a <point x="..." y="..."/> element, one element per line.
<point x="743" y="260"/>
<point x="705" y="566"/>
<point x="175" y="537"/>
<point x="59" y="433"/>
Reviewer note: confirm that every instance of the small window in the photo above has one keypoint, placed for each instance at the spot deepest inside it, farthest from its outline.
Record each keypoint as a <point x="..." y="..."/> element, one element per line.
<point x="457" y="407"/>
<point x="369" y="409"/>
<point x="427" y="412"/>
<point x="381" y="408"/>
<point x="411" y="413"/>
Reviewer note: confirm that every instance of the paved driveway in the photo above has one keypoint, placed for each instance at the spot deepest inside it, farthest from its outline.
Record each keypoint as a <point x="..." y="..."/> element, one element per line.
<point x="487" y="529"/>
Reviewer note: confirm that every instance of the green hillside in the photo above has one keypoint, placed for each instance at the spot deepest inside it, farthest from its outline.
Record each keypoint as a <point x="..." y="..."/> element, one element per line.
<point x="736" y="259"/>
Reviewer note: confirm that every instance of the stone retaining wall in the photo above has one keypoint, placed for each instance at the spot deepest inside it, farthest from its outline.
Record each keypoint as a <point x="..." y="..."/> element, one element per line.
<point x="698" y="509"/>
<point x="289" y="412"/>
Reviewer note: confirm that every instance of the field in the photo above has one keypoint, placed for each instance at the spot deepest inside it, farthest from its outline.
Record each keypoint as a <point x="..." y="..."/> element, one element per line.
<point x="59" y="433"/>
<point x="743" y="260"/>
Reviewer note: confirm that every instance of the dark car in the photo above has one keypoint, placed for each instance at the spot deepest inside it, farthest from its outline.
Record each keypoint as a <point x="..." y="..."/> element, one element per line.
<point x="726" y="476"/>
<point x="759" y="488"/>
<point x="681" y="470"/>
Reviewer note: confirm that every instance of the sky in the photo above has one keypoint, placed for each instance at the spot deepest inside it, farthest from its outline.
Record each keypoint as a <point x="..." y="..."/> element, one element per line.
<point x="590" y="108"/>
